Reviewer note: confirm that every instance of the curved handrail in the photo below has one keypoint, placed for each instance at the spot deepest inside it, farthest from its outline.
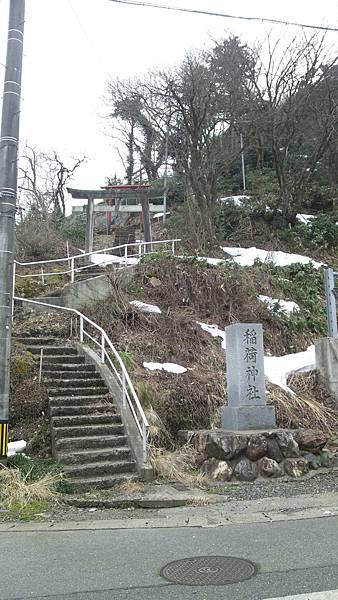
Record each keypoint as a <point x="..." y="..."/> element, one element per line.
<point x="144" y="425"/>
<point x="83" y="255"/>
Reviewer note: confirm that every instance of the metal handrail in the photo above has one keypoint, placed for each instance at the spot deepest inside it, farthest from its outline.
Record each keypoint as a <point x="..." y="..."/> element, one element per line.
<point x="128" y="390"/>
<point x="141" y="246"/>
<point x="69" y="258"/>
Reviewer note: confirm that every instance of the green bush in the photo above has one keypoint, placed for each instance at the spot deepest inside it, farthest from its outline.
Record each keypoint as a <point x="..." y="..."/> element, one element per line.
<point x="322" y="232"/>
<point x="74" y="229"/>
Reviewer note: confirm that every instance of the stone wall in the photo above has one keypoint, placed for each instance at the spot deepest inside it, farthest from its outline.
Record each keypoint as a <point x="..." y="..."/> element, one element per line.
<point x="226" y="456"/>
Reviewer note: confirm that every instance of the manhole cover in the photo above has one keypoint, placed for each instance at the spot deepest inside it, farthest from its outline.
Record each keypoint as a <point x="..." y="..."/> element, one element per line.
<point x="209" y="570"/>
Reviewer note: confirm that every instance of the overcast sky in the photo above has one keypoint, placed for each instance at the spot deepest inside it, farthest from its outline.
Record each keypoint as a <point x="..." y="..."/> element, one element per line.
<point x="72" y="48"/>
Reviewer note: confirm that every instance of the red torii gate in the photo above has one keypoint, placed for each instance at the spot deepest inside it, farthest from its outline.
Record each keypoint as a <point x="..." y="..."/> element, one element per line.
<point x="114" y="193"/>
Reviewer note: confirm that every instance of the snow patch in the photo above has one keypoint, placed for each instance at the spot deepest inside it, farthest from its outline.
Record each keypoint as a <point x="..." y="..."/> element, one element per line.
<point x="168" y="367"/>
<point x="305" y="219"/>
<point x="16" y="447"/>
<point x="109" y="259"/>
<point x="281" y="306"/>
<point x="146" y="308"/>
<point x="214" y="330"/>
<point x="236" y="200"/>
<point x="278" y="368"/>
<point x="247" y="256"/>
<point x="159" y="215"/>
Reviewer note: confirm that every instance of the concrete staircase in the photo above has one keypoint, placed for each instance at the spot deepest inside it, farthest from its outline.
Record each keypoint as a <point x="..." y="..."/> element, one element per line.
<point x="88" y="437"/>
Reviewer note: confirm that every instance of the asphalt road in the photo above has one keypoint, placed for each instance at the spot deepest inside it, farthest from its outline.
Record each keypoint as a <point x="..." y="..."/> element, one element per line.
<point x="294" y="557"/>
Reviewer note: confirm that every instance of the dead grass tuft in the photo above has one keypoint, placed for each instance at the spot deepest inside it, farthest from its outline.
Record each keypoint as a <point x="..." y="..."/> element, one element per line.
<point x="130" y="488"/>
<point x="178" y="465"/>
<point x="307" y="408"/>
<point x="15" y="489"/>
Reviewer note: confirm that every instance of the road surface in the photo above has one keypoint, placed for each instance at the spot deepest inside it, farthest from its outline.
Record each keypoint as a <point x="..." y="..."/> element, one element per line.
<point x="297" y="559"/>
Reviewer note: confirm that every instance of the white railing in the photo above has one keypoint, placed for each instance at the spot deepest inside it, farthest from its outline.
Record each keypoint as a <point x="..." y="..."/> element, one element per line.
<point x="108" y="354"/>
<point x="128" y="258"/>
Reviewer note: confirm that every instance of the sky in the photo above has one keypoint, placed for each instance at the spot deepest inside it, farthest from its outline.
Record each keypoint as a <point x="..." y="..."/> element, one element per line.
<point x="72" y="48"/>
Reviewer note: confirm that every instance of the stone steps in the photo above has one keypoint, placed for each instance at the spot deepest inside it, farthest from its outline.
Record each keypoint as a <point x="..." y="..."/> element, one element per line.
<point x="82" y="409"/>
<point x="88" y="436"/>
<point x="52" y="350"/>
<point x="93" y="456"/>
<point x="63" y="359"/>
<point x="63" y="401"/>
<point x="92" y="442"/>
<point x="77" y="383"/>
<point x="85" y="484"/>
<point x="88" y="419"/>
<point x="53" y="368"/>
<point x="99" y="468"/>
<point x="78" y="391"/>
<point x="66" y="374"/>
<point x="90" y="430"/>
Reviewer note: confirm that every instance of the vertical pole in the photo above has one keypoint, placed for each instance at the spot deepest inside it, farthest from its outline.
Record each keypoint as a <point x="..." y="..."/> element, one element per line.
<point x="165" y="182"/>
<point x="173" y="247"/>
<point x="126" y="255"/>
<point x="67" y="247"/>
<point x="102" y="349"/>
<point x="72" y="271"/>
<point x="332" y="330"/>
<point x="144" y="444"/>
<point x="42" y="276"/>
<point x="40" y="368"/>
<point x="243" y="162"/>
<point x="81" y="329"/>
<point x="9" y="140"/>
<point x="146" y="220"/>
<point x="89" y="227"/>
<point x="124" y="394"/>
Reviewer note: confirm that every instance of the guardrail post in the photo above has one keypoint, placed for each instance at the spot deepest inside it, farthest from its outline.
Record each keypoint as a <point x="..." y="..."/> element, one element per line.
<point x="173" y="247"/>
<point x="124" y="391"/>
<point x="81" y="329"/>
<point x="40" y="367"/>
<point x="126" y="255"/>
<point x="330" y="303"/>
<point x="144" y="443"/>
<point x="102" y="349"/>
<point x="140" y="250"/>
<point x="72" y="271"/>
<point x="42" y="276"/>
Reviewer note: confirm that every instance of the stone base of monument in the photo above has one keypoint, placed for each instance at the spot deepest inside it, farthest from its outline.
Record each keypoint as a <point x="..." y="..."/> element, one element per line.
<point x="243" y="418"/>
<point x="248" y="455"/>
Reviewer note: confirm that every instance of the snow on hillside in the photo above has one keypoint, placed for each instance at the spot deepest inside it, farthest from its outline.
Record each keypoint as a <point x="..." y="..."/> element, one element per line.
<point x="282" y="306"/>
<point x="247" y="256"/>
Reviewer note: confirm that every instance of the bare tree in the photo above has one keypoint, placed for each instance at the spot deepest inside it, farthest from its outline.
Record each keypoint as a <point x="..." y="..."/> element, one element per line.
<point x="295" y="111"/>
<point x="43" y="182"/>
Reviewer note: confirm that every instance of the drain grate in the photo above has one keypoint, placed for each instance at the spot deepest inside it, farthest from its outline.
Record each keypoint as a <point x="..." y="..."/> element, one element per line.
<point x="209" y="570"/>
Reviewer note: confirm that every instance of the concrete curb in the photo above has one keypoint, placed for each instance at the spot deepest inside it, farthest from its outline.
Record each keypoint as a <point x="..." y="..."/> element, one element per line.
<point x="266" y="511"/>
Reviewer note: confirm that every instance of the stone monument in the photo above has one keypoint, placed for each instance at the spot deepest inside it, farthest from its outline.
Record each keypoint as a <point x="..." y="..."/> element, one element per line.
<point x="247" y="408"/>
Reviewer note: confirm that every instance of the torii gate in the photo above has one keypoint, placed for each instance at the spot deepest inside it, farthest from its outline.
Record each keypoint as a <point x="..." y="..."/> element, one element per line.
<point x="116" y="193"/>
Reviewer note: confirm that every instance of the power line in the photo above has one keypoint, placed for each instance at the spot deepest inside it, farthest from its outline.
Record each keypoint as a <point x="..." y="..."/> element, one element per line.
<point x="223" y="15"/>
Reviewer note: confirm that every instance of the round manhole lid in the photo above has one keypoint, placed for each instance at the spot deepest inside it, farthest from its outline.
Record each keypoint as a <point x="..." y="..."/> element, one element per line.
<point x="209" y="570"/>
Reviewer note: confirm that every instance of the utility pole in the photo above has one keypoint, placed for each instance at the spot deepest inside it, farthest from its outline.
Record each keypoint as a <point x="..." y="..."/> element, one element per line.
<point x="9" y="141"/>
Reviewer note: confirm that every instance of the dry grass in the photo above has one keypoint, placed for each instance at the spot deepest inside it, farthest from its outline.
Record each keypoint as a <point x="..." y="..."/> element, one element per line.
<point x="200" y="501"/>
<point x="15" y="489"/>
<point x="130" y="488"/>
<point x="307" y="408"/>
<point x="177" y="466"/>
